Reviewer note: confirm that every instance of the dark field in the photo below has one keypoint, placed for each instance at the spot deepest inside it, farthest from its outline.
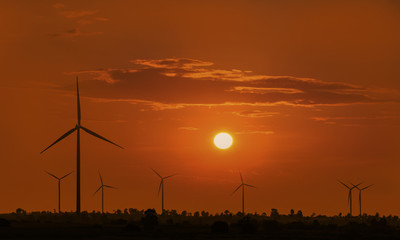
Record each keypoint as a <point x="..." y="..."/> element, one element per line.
<point x="148" y="225"/>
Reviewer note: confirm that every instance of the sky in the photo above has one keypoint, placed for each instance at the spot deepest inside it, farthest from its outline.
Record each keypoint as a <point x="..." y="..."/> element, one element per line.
<point x="309" y="91"/>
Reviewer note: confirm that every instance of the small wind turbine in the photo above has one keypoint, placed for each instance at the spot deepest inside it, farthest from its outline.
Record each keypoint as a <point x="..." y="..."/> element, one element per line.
<point x="59" y="188"/>
<point x="102" y="192"/>
<point x="359" y="194"/>
<point x="77" y="128"/>
<point x="161" y="188"/>
<point x="242" y="186"/>
<point x="350" y="199"/>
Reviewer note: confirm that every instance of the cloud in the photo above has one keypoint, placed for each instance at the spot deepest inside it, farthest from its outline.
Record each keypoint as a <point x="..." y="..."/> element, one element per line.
<point x="255" y="132"/>
<point x="59" y="5"/>
<point x="188" y="128"/>
<point x="172" y="63"/>
<point x="78" y="14"/>
<point x="360" y="120"/>
<point x="175" y="83"/>
<point x="255" y="114"/>
<point x="261" y="90"/>
<point x="80" y="18"/>
<point x="75" y="32"/>
<point x="86" y="21"/>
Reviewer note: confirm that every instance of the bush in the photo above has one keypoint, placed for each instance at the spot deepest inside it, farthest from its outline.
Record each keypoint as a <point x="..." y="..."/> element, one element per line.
<point x="219" y="227"/>
<point x="296" y="225"/>
<point x="119" y="221"/>
<point x="132" y="227"/>
<point x="248" y="225"/>
<point x="150" y="219"/>
<point x="4" y="222"/>
<point x="270" y="225"/>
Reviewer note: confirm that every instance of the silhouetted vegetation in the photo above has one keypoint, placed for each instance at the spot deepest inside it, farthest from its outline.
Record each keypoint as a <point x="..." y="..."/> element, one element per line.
<point x="147" y="223"/>
<point x="220" y="227"/>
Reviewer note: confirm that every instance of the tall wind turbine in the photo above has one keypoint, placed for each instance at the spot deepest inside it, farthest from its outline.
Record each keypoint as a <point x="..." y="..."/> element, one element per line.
<point x="77" y="128"/>
<point x="242" y="186"/>
<point x="102" y="192"/>
<point x="59" y="188"/>
<point x="359" y="195"/>
<point x="161" y="188"/>
<point x="350" y="198"/>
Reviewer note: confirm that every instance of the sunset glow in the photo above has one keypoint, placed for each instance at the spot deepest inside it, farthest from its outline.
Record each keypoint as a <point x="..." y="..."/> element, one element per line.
<point x="300" y="93"/>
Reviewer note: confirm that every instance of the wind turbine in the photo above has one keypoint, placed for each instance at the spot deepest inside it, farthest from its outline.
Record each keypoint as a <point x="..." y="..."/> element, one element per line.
<point x="102" y="192"/>
<point x="242" y="186"/>
<point x="161" y="188"/>
<point x="59" y="187"/>
<point x="77" y="128"/>
<point x="359" y="194"/>
<point x="350" y="199"/>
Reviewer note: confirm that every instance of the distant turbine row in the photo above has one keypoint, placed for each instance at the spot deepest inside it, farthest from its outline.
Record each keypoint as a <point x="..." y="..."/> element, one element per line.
<point x="350" y="198"/>
<point x="160" y="189"/>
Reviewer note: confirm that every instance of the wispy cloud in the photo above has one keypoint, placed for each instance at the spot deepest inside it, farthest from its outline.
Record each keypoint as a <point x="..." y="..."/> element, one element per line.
<point x="255" y="132"/>
<point x="80" y="18"/>
<point x="59" y="5"/>
<point x="74" y="33"/>
<point x="78" y="13"/>
<point x="359" y="120"/>
<point x="188" y="128"/>
<point x="175" y="83"/>
<point x="255" y="114"/>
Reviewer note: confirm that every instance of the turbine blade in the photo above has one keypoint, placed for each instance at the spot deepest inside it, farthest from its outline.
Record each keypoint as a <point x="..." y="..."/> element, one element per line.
<point x="156" y="173"/>
<point x="98" y="136"/>
<point x="110" y="186"/>
<point x="66" y="175"/>
<point x="159" y="188"/>
<point x="356" y="186"/>
<point x="241" y="178"/>
<point x="237" y="188"/>
<point x="97" y="190"/>
<point x="60" y="138"/>
<point x="249" y="185"/>
<point x="367" y="187"/>
<point x="344" y="184"/>
<point x="170" y="176"/>
<point x="54" y="176"/>
<point x="101" y="179"/>
<point x="78" y="102"/>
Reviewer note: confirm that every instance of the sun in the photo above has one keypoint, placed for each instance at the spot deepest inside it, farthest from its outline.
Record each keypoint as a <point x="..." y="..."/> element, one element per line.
<point x="223" y="140"/>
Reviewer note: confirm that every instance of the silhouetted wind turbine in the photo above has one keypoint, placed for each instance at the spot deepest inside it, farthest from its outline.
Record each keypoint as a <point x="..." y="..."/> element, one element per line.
<point x="350" y="199"/>
<point x="59" y="188"/>
<point x="359" y="194"/>
<point x="102" y="192"/>
<point x="77" y="127"/>
<point x="161" y="187"/>
<point x="242" y="186"/>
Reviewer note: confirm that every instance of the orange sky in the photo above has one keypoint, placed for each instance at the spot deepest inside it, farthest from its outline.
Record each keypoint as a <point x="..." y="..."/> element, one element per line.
<point x="309" y="90"/>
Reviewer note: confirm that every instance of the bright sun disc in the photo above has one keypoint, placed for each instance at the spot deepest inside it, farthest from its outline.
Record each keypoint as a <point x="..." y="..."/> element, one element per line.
<point x="223" y="140"/>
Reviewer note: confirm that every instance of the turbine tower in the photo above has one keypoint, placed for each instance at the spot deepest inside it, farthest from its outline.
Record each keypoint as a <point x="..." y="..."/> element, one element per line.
<point x="350" y="199"/>
<point x="59" y="187"/>
<point x="102" y="192"/>
<point x="242" y="186"/>
<point x="359" y="195"/>
<point x="161" y="188"/>
<point x="77" y="128"/>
